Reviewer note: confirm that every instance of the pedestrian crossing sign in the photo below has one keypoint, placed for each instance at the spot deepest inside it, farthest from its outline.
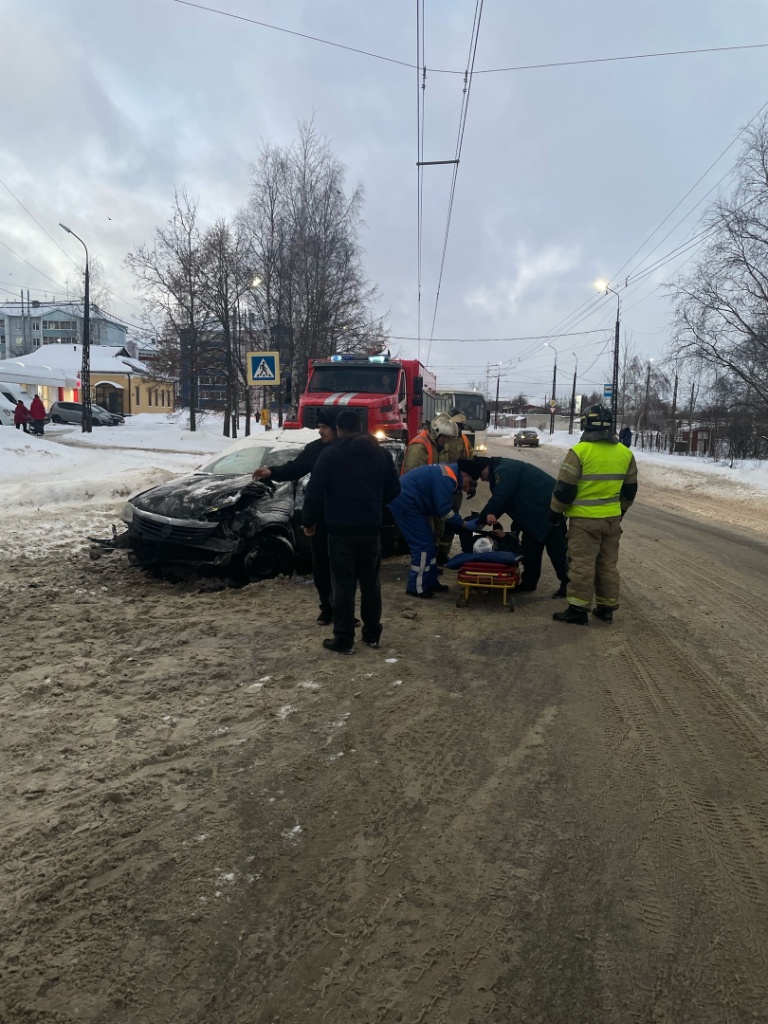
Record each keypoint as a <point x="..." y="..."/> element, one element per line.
<point x="263" y="368"/>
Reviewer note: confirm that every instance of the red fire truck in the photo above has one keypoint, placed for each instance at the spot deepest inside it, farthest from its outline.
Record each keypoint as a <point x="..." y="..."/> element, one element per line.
<point x="392" y="397"/>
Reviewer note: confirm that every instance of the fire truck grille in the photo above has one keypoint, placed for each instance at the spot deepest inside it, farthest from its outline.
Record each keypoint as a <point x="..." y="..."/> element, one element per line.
<point x="311" y="411"/>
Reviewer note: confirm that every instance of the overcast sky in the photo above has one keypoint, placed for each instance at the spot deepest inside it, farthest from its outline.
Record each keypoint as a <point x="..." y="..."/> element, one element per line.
<point x="110" y="104"/>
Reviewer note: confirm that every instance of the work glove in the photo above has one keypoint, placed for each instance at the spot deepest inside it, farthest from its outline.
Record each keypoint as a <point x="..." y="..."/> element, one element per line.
<point x="470" y="524"/>
<point x="555" y="518"/>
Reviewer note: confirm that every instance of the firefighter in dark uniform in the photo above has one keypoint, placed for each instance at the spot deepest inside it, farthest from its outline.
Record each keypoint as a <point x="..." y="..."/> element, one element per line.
<point x="596" y="485"/>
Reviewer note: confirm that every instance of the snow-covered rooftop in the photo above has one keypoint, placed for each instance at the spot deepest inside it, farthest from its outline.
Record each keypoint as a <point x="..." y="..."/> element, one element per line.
<point x="68" y="359"/>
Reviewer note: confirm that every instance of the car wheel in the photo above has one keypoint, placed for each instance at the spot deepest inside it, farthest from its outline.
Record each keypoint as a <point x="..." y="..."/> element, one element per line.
<point x="56" y="419"/>
<point x="269" y="555"/>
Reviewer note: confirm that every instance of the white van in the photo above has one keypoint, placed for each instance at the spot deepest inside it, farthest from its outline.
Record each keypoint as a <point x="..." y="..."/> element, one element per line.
<point x="6" y="411"/>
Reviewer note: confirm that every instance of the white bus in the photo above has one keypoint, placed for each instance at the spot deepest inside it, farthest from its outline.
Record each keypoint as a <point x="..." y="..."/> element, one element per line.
<point x="474" y="407"/>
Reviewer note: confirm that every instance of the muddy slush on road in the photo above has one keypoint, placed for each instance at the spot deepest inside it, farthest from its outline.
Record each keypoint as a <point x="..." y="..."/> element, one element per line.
<point x="493" y="818"/>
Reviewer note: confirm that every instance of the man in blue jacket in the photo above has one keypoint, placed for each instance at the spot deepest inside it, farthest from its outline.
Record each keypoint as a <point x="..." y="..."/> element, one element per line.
<point x="524" y="492"/>
<point x="427" y="492"/>
<point x="352" y="481"/>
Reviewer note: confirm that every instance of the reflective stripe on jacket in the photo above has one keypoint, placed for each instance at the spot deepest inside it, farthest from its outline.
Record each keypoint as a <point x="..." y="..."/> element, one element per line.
<point x="603" y="469"/>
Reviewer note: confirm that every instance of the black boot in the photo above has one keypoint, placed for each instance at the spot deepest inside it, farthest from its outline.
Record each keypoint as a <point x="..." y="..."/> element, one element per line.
<point x="334" y="645"/>
<point x="562" y="590"/>
<point x="577" y="616"/>
<point x="439" y="588"/>
<point x="601" y="612"/>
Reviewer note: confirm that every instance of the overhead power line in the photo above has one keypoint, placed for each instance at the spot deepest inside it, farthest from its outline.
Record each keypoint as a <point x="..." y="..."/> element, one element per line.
<point x="474" y="37"/>
<point x="482" y="71"/>
<point x="34" y="218"/>
<point x="527" y="337"/>
<point x="421" y="86"/>
<point x="60" y="286"/>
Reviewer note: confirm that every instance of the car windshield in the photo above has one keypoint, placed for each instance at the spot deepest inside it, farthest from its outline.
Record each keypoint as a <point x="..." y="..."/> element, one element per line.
<point x="370" y="380"/>
<point x="245" y="460"/>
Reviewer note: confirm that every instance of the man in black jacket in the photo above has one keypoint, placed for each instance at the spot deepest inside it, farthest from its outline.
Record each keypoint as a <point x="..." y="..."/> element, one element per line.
<point x="294" y="470"/>
<point x="351" y="483"/>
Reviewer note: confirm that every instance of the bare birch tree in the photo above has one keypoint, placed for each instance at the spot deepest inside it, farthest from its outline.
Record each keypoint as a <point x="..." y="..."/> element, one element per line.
<point x="169" y="280"/>
<point x="721" y="306"/>
<point x="313" y="298"/>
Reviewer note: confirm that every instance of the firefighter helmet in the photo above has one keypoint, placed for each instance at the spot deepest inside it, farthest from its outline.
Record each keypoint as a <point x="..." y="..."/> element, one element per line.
<point x="597" y="417"/>
<point x="443" y="424"/>
<point x="458" y="416"/>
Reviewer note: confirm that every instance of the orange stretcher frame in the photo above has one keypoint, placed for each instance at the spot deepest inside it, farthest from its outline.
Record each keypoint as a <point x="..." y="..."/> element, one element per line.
<point x="487" y="576"/>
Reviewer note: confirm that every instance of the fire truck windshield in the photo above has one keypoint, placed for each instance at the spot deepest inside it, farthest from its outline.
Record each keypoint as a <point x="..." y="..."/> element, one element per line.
<point x="369" y="380"/>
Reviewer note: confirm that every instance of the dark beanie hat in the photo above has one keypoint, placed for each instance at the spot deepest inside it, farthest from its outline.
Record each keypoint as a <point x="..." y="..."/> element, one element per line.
<point x="474" y="467"/>
<point x="348" y="421"/>
<point x="327" y="417"/>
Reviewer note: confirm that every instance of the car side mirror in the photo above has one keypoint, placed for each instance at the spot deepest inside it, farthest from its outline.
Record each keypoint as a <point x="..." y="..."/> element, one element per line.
<point x="487" y="417"/>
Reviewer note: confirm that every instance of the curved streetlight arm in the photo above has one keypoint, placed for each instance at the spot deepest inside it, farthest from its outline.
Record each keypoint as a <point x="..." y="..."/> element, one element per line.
<point x="71" y="232"/>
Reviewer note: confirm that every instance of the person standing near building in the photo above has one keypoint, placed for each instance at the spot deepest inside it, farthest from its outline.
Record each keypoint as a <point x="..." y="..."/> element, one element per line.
<point x="294" y="470"/>
<point x="427" y="492"/>
<point x="21" y="416"/>
<point x="351" y="483"/>
<point x="625" y="436"/>
<point x="37" y="412"/>
<point x="524" y="492"/>
<point x="596" y="485"/>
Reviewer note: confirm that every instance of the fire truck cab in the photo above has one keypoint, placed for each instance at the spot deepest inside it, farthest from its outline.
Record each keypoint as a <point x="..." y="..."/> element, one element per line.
<point x="394" y="398"/>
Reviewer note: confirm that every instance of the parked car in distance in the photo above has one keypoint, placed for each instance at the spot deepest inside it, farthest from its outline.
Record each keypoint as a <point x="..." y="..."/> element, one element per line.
<point x="527" y="438"/>
<point x="217" y="520"/>
<point x="72" y="412"/>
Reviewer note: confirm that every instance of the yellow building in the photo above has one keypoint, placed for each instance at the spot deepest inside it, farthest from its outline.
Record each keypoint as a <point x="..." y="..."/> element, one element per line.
<point x="119" y="382"/>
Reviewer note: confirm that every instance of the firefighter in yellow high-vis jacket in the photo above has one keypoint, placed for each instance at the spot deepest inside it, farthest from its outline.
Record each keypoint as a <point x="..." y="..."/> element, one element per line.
<point x="596" y="485"/>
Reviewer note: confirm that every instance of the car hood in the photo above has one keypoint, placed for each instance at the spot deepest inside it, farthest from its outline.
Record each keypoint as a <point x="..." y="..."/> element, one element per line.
<point x="195" y="496"/>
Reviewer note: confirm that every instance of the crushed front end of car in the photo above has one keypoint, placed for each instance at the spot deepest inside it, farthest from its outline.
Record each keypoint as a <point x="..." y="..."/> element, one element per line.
<point x="232" y="527"/>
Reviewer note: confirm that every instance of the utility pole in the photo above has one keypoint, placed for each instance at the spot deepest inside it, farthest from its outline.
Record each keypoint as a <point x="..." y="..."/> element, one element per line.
<point x="498" y="381"/>
<point x="674" y="415"/>
<point x="85" y="370"/>
<point x="647" y="394"/>
<point x="573" y="396"/>
<point x="553" y="402"/>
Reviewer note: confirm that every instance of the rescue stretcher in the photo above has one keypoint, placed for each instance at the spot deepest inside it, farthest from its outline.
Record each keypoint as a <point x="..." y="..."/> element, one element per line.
<point x="488" y="576"/>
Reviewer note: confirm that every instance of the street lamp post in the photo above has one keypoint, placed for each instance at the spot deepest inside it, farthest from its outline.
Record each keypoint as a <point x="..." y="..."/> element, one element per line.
<point x="604" y="287"/>
<point x="573" y="393"/>
<point x="553" y="403"/>
<point x="85" y="368"/>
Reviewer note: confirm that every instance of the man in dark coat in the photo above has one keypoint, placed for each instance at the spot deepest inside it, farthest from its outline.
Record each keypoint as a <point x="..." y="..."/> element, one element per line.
<point x="21" y="416"/>
<point x="37" y="413"/>
<point x="625" y="437"/>
<point x="523" y="492"/>
<point x="351" y="483"/>
<point x="294" y="470"/>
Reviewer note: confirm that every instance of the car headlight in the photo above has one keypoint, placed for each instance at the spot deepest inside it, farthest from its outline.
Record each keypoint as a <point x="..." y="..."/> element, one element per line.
<point x="126" y="512"/>
<point x="481" y="448"/>
<point x="380" y="434"/>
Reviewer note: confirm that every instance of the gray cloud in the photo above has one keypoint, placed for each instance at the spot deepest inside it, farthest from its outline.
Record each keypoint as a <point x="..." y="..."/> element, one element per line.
<point x="564" y="171"/>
